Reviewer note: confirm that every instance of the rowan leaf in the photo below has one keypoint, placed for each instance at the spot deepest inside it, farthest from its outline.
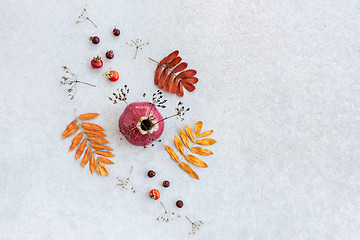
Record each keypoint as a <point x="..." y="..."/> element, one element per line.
<point x="184" y="166"/>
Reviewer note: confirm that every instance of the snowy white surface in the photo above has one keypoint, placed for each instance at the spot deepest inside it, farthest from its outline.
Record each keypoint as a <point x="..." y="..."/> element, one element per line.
<point x="279" y="85"/>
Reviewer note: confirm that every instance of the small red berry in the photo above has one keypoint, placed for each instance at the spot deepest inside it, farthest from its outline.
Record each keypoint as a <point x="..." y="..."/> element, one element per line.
<point x="112" y="75"/>
<point x="151" y="174"/>
<point x="179" y="203"/>
<point x="110" y="54"/>
<point x="116" y="32"/>
<point x="166" y="184"/>
<point x="95" y="39"/>
<point x="154" y="194"/>
<point x="97" y="62"/>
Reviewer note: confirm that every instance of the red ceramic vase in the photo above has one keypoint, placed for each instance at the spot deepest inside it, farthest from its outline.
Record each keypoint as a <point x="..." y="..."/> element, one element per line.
<point x="138" y="126"/>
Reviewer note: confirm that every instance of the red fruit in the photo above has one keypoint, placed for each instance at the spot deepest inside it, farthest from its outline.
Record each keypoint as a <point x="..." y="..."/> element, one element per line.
<point x="97" y="62"/>
<point x="109" y="54"/>
<point x="95" y="39"/>
<point x="116" y="32"/>
<point x="179" y="203"/>
<point x="138" y="126"/>
<point x="154" y="194"/>
<point x="112" y="75"/>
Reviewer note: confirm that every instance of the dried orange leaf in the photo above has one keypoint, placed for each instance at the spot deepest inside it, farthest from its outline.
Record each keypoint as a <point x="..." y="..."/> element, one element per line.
<point x="105" y="154"/>
<point x="184" y="166"/>
<point x="172" y="153"/>
<point x="168" y="82"/>
<point x="180" y="67"/>
<point x="103" y="169"/>
<point x="75" y="141"/>
<point x="100" y="147"/>
<point x="205" y="134"/>
<point x="190" y="80"/>
<point x="157" y="74"/>
<point x="95" y="133"/>
<point x="71" y="131"/>
<point x="105" y="160"/>
<point x="196" y="161"/>
<point x="69" y="126"/>
<point x="198" y="127"/>
<point x="92" y="126"/>
<point x="80" y="149"/>
<point x="92" y="164"/>
<point x="86" y="157"/>
<point x="180" y="90"/>
<point x="179" y="145"/>
<point x="98" y="140"/>
<point x="88" y="116"/>
<point x="187" y="74"/>
<point x="184" y="138"/>
<point x="189" y="133"/>
<point x="170" y="57"/>
<point x="206" y="141"/>
<point x="201" y="151"/>
<point x="174" y="62"/>
<point x="189" y="87"/>
<point x="173" y="86"/>
<point x="163" y="78"/>
<point x="98" y="168"/>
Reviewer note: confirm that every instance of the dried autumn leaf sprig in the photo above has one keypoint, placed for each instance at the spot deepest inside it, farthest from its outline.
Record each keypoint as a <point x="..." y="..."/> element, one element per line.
<point x="184" y="141"/>
<point x="171" y="76"/>
<point x="91" y="138"/>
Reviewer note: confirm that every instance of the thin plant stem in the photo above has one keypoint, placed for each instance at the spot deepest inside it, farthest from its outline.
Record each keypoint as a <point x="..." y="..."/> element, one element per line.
<point x="91" y="21"/>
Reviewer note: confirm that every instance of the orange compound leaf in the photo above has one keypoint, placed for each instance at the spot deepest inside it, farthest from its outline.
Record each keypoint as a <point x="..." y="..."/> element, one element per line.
<point x="105" y="160"/>
<point x="184" y="166"/>
<point x="157" y="74"/>
<point x="184" y="138"/>
<point x="105" y="154"/>
<point x="69" y="126"/>
<point x="71" y="131"/>
<point x="86" y="157"/>
<point x="205" y="134"/>
<point x="179" y="145"/>
<point x="189" y="133"/>
<point x="98" y="140"/>
<point x="180" y="90"/>
<point x="206" y="141"/>
<point x="174" y="62"/>
<point x="92" y="127"/>
<point x="88" y="116"/>
<point x="170" y="57"/>
<point x="75" y="141"/>
<point x="172" y="153"/>
<point x="198" y="127"/>
<point x="80" y="149"/>
<point x="187" y="73"/>
<point x="95" y="133"/>
<point x="180" y="67"/>
<point x="196" y="161"/>
<point x="188" y="87"/>
<point x="100" y="147"/>
<point x="190" y="80"/>
<point x="92" y="164"/>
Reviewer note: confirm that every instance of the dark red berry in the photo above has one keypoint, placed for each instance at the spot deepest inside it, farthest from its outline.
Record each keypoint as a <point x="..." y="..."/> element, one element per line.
<point x="116" y="32"/>
<point x="151" y="173"/>
<point x="109" y="54"/>
<point x="166" y="184"/>
<point x="95" y="39"/>
<point x="179" y="203"/>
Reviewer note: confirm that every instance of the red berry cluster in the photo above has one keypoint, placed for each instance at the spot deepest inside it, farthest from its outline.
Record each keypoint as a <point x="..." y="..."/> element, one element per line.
<point x="155" y="194"/>
<point x="96" y="62"/>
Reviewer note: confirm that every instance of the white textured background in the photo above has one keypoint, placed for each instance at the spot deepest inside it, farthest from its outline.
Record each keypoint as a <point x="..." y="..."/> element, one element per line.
<point x="279" y="85"/>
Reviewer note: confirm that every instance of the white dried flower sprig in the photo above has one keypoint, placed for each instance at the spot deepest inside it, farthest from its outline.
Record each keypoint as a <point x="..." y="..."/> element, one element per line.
<point x="125" y="183"/>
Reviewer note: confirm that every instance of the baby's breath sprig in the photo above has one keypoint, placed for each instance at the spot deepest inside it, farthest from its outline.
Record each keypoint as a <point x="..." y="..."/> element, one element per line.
<point x="138" y="44"/>
<point x="72" y="81"/>
<point x="195" y="225"/>
<point x="126" y="181"/>
<point x="167" y="216"/>
<point x="84" y="17"/>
